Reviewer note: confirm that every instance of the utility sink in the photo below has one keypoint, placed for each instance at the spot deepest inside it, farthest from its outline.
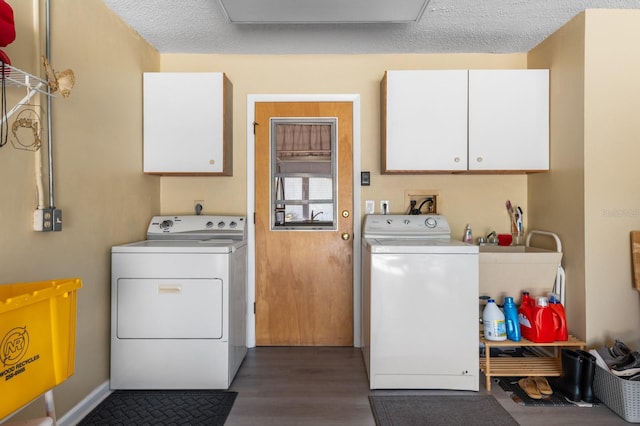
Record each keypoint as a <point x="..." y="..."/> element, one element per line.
<point x="307" y="224"/>
<point x="510" y="270"/>
<point x="515" y="250"/>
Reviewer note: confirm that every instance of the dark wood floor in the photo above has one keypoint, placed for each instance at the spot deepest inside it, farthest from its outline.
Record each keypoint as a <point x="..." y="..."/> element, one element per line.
<point x="328" y="386"/>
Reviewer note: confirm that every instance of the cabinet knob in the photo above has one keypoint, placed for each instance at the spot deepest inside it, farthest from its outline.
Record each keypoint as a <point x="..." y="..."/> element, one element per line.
<point x="479" y="159"/>
<point x="457" y="159"/>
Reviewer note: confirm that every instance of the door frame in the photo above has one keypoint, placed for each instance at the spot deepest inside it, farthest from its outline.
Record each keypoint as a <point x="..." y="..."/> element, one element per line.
<point x="251" y="242"/>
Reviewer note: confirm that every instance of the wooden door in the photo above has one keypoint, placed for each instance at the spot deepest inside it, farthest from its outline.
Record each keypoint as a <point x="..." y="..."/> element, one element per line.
<point x="304" y="277"/>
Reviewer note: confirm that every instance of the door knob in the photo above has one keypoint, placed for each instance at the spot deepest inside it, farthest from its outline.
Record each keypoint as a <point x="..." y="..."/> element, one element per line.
<point x="346" y="236"/>
<point x="345" y="213"/>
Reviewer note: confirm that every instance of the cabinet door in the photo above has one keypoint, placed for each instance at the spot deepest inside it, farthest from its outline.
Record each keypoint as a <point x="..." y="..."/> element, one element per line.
<point x="424" y="121"/>
<point x="509" y="120"/>
<point x="184" y="124"/>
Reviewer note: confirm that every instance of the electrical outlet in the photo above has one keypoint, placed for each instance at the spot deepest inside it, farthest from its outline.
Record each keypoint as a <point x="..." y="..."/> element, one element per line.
<point x="45" y="220"/>
<point x="369" y="207"/>
<point x="384" y="207"/>
<point x="198" y="206"/>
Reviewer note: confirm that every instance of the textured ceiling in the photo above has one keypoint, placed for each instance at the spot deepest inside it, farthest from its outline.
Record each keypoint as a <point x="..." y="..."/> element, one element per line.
<point x="447" y="26"/>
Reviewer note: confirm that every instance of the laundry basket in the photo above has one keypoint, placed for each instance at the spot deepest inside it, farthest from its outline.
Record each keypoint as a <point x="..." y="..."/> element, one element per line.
<point x="620" y="395"/>
<point x="37" y="339"/>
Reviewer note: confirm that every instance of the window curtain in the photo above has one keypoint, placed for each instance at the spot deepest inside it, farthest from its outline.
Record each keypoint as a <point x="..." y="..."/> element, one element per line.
<point x="303" y="140"/>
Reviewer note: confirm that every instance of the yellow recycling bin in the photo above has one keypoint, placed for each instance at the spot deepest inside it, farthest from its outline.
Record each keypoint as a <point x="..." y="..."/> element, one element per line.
<point x="37" y="339"/>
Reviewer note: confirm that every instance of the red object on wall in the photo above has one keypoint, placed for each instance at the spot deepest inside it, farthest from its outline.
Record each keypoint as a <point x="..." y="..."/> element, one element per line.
<point x="7" y="29"/>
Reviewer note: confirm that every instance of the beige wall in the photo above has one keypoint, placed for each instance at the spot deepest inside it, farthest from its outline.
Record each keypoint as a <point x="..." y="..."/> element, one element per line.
<point x="612" y="178"/>
<point x="556" y="199"/>
<point x="105" y="200"/>
<point x="590" y="196"/>
<point x="479" y="200"/>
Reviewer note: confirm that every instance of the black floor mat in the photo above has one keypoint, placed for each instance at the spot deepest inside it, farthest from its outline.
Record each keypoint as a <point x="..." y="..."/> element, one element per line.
<point x="510" y="385"/>
<point x="162" y="407"/>
<point x="439" y="410"/>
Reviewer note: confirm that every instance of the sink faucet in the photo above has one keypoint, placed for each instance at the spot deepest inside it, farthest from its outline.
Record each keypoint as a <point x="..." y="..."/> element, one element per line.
<point x="314" y="215"/>
<point x="492" y="238"/>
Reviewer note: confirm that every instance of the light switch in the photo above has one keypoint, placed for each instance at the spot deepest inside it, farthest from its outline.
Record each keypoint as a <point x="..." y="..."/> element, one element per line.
<point x="365" y="178"/>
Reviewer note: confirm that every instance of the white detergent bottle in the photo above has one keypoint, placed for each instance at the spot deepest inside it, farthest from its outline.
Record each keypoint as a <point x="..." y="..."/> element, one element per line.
<point x="493" y="321"/>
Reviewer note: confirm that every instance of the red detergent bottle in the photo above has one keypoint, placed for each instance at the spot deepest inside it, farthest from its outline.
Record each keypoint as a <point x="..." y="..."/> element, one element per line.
<point x="559" y="318"/>
<point x="525" y="312"/>
<point x="542" y="322"/>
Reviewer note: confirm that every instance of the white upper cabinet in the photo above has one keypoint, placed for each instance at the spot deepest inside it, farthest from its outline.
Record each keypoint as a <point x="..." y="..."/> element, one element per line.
<point x="509" y="120"/>
<point x="459" y="120"/>
<point x="187" y="124"/>
<point x="425" y="113"/>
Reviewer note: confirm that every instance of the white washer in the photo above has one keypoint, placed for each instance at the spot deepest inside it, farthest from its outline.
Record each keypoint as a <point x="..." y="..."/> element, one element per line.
<point x="420" y="304"/>
<point x="178" y="304"/>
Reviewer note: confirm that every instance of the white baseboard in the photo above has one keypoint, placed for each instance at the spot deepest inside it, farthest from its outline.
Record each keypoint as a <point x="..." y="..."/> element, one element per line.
<point x="85" y="406"/>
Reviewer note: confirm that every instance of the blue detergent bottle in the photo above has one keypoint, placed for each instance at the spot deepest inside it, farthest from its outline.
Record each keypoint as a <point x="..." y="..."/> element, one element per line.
<point x="511" y="320"/>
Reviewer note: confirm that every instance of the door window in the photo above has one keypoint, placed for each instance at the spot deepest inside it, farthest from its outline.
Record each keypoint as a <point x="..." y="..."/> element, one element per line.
<point x="303" y="173"/>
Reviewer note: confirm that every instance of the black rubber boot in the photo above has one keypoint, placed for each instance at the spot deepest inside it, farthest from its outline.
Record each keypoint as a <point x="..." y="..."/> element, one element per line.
<point x="588" y="372"/>
<point x="569" y="382"/>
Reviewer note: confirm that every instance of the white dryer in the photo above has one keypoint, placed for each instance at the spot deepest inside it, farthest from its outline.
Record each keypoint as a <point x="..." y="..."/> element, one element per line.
<point x="178" y="304"/>
<point x="419" y="304"/>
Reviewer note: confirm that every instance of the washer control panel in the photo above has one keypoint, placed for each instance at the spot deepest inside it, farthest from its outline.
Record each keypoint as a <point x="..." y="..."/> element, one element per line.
<point x="406" y="226"/>
<point x="202" y="227"/>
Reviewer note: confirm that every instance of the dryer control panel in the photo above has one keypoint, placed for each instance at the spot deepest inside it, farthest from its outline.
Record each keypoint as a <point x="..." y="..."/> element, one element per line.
<point x="200" y="227"/>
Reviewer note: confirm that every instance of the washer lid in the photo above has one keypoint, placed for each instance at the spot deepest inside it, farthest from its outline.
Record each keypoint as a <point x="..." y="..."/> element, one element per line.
<point x="425" y="245"/>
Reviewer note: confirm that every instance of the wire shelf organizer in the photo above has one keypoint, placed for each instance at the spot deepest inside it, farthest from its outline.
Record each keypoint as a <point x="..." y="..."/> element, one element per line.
<point x="15" y="77"/>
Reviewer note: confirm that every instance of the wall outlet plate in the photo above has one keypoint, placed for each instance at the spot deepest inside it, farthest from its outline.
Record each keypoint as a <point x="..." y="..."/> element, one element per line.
<point x="46" y="220"/>
<point x="369" y="207"/>
<point x="198" y="206"/>
<point x="384" y="207"/>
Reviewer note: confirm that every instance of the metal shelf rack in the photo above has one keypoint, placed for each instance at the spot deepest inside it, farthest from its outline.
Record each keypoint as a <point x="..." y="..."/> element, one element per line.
<point x="15" y="77"/>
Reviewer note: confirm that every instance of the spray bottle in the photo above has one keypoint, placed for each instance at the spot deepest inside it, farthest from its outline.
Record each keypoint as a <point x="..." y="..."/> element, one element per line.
<point x="468" y="236"/>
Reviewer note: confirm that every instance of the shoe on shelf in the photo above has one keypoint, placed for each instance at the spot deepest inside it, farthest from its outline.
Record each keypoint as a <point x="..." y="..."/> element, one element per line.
<point x="528" y="385"/>
<point x="619" y="349"/>
<point x="627" y="366"/>
<point x="543" y="386"/>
